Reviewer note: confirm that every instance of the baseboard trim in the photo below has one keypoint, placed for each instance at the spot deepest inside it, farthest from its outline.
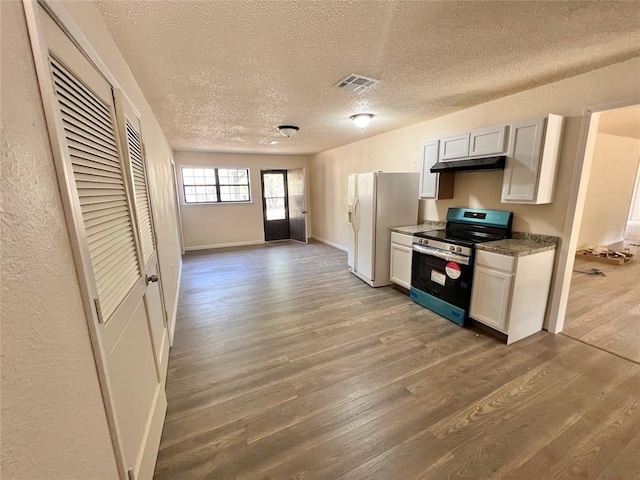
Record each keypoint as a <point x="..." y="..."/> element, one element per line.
<point x="223" y="245"/>
<point x="333" y="244"/>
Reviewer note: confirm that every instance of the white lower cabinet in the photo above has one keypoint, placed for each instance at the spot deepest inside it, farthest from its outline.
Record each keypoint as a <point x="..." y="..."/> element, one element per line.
<point x="509" y="294"/>
<point x="490" y="297"/>
<point x="401" y="253"/>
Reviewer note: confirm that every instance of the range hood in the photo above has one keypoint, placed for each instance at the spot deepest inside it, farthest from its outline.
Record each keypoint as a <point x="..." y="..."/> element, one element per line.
<point x="471" y="165"/>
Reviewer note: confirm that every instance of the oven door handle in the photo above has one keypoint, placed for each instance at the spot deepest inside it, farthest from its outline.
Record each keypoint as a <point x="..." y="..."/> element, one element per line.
<point x="443" y="254"/>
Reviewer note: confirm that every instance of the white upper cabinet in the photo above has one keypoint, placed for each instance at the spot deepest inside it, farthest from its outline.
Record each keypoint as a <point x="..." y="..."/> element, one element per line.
<point x="456" y="147"/>
<point x="488" y="141"/>
<point x="433" y="185"/>
<point x="428" y="180"/>
<point x="534" y="148"/>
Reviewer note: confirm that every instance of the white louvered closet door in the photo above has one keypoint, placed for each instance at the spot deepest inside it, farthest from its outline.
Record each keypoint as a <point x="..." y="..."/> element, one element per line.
<point x="114" y="244"/>
<point x="130" y="131"/>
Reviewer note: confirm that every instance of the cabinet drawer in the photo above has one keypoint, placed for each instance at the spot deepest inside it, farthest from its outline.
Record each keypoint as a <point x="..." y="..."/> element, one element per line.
<point x="402" y="239"/>
<point x="495" y="261"/>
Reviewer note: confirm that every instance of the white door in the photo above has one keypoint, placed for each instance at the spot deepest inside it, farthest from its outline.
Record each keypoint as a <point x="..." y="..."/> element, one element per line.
<point x="365" y="224"/>
<point x="135" y="160"/>
<point x="114" y="252"/>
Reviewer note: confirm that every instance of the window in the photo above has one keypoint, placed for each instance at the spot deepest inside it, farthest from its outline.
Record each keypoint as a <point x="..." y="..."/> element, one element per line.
<point x="215" y="185"/>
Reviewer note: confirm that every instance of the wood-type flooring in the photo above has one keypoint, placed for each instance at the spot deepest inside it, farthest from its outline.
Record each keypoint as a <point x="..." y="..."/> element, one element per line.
<point x="287" y="366"/>
<point x="605" y="311"/>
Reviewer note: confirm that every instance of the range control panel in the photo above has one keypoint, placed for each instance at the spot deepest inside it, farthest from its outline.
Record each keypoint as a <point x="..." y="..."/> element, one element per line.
<point x="442" y="245"/>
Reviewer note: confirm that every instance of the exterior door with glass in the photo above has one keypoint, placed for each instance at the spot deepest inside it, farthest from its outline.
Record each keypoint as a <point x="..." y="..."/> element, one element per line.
<point x="275" y="205"/>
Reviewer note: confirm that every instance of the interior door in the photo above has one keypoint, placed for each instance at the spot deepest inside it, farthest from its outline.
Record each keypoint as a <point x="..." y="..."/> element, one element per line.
<point x="275" y="205"/>
<point x="135" y="160"/>
<point x="297" y="205"/>
<point x="105" y="196"/>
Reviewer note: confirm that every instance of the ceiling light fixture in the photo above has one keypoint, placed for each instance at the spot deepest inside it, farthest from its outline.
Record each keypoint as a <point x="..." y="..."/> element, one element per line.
<point x="362" y="119"/>
<point x="288" y="130"/>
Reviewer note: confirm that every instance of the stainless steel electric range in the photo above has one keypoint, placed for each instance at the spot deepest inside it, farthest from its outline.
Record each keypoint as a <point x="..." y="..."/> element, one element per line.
<point x="442" y="263"/>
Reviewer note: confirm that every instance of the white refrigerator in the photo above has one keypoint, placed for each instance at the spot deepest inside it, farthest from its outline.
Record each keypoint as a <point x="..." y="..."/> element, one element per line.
<point x="378" y="201"/>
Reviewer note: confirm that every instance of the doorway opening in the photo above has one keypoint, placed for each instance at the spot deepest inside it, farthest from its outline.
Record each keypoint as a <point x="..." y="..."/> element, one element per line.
<point x="604" y="294"/>
<point x="284" y="205"/>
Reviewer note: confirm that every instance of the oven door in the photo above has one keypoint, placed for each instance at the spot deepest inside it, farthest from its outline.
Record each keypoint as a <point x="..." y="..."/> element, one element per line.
<point x="442" y="274"/>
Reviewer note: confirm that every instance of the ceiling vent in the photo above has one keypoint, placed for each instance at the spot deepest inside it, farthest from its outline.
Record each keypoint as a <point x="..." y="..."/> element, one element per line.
<point x="356" y="83"/>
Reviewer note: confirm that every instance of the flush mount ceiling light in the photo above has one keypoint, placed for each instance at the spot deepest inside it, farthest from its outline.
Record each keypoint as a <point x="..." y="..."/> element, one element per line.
<point x="288" y="130"/>
<point x="362" y="119"/>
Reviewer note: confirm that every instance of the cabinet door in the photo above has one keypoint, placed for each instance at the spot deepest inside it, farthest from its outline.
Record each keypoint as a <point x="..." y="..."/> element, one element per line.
<point x="428" y="180"/>
<point x="455" y="147"/>
<point x="520" y="179"/>
<point x="487" y="141"/>
<point x="490" y="297"/>
<point x="401" y="265"/>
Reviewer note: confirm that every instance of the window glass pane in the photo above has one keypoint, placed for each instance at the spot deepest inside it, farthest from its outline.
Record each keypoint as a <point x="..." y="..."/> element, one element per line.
<point x="199" y="185"/>
<point x="273" y="185"/>
<point x="275" y="209"/>
<point x="187" y="180"/>
<point x="210" y="179"/>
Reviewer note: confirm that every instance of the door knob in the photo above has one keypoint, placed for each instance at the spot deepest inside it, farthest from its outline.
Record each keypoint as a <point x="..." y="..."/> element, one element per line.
<point x="304" y="211"/>
<point x="152" y="279"/>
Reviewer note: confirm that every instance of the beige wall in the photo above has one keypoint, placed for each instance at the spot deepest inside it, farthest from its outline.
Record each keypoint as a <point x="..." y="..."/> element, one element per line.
<point x="634" y="213"/>
<point x="53" y="419"/>
<point x="611" y="182"/>
<point x="399" y="150"/>
<point x="234" y="224"/>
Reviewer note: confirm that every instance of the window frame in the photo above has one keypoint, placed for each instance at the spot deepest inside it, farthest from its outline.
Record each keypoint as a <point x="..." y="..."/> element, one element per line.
<point x="216" y="186"/>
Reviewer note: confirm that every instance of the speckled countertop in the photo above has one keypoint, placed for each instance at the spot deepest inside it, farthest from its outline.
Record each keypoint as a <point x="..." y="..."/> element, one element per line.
<point x="423" y="227"/>
<point x="521" y="244"/>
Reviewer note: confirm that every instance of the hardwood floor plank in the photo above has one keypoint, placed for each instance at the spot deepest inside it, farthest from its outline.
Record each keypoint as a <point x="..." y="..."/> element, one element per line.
<point x="316" y="375"/>
<point x="605" y="311"/>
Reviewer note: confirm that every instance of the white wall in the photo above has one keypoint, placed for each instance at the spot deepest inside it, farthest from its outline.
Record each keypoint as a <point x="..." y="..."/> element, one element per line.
<point x="611" y="183"/>
<point x="234" y="224"/>
<point x="399" y="150"/>
<point x="53" y="419"/>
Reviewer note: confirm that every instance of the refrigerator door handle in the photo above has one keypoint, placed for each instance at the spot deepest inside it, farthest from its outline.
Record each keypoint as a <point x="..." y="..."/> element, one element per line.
<point x="356" y="215"/>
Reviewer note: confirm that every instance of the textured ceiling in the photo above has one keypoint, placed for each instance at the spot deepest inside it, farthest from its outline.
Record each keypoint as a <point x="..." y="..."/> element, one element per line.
<point x="221" y="75"/>
<point x="624" y="122"/>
